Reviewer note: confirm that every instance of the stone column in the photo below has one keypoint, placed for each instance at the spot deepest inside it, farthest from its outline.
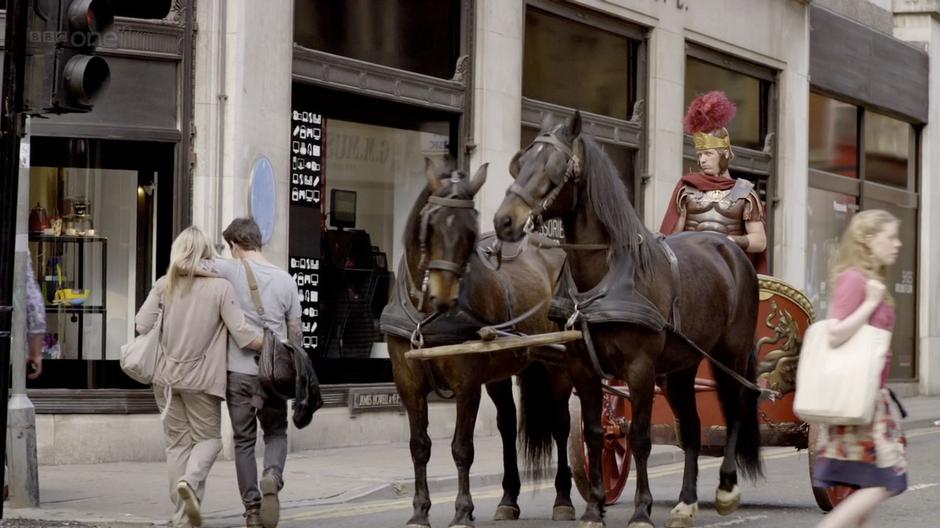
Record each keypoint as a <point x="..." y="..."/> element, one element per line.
<point x="792" y="151"/>
<point x="918" y="21"/>
<point x="497" y="98"/>
<point x="244" y="56"/>
<point x="666" y="108"/>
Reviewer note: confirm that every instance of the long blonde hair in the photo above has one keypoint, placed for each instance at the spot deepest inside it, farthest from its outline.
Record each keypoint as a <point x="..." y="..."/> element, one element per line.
<point x="854" y="249"/>
<point x="189" y="248"/>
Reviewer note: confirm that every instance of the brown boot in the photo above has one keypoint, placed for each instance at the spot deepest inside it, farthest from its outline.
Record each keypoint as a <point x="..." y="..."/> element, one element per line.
<point x="253" y="518"/>
<point x="270" y="505"/>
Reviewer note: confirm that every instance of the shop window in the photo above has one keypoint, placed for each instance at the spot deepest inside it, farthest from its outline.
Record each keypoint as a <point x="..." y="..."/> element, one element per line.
<point x="835" y="194"/>
<point x="902" y="285"/>
<point x="95" y="210"/>
<point x="384" y="170"/>
<point x="828" y="215"/>
<point x="373" y="171"/>
<point x="421" y="36"/>
<point x="833" y="136"/>
<point x="887" y="150"/>
<point x="749" y="125"/>
<point x="558" y="50"/>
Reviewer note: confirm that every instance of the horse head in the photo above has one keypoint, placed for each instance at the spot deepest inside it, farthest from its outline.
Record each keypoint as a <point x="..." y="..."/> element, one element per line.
<point x="542" y="172"/>
<point x="447" y="232"/>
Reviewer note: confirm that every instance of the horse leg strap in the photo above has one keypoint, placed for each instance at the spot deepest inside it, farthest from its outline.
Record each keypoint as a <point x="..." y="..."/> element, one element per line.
<point x="592" y="353"/>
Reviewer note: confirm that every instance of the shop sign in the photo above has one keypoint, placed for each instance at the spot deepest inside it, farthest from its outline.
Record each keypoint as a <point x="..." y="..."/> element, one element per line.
<point x="306" y="191"/>
<point x="373" y="399"/>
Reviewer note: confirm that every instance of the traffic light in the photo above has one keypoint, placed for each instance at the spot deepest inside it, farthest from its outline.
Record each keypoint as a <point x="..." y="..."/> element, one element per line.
<point x="63" y="73"/>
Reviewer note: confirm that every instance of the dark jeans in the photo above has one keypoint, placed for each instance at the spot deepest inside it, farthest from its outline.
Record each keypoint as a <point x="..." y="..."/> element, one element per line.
<point x="243" y="395"/>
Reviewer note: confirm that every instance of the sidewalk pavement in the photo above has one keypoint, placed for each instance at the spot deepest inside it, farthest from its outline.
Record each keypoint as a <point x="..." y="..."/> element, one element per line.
<point x="120" y="495"/>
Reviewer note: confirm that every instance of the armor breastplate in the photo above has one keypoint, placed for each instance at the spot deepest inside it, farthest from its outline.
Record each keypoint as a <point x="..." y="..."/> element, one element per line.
<point x="714" y="211"/>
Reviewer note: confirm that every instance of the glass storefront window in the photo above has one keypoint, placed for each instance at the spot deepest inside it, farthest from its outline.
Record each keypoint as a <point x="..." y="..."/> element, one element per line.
<point x="97" y="248"/>
<point x="421" y="36"/>
<point x="385" y="169"/>
<point x="887" y="150"/>
<point x="902" y="285"/>
<point x="829" y="215"/>
<point x="558" y="50"/>
<point x="746" y="92"/>
<point x="833" y="136"/>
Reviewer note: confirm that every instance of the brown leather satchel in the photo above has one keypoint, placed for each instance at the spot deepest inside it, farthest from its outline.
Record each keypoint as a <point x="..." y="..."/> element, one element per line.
<point x="276" y="370"/>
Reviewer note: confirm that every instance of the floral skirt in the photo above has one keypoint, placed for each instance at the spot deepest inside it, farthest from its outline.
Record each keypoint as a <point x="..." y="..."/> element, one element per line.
<point x="864" y="456"/>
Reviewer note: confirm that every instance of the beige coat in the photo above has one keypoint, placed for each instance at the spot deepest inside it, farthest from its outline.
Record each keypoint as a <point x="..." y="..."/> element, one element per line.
<point x="196" y="330"/>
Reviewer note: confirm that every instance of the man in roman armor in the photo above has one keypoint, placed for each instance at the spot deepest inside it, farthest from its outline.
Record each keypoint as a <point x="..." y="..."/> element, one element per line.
<point x="712" y="200"/>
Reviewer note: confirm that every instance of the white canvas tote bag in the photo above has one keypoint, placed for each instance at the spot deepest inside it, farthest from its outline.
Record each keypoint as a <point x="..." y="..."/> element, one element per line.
<point x="840" y="385"/>
<point x="139" y="357"/>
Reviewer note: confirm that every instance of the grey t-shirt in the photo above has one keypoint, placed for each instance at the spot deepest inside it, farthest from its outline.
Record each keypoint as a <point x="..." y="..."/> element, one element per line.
<point x="280" y="299"/>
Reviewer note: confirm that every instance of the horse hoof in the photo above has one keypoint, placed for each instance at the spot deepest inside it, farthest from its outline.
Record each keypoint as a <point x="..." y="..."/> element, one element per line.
<point x="563" y="513"/>
<point x="640" y="525"/>
<point x="727" y="502"/>
<point x="506" y="513"/>
<point x="591" y="524"/>
<point x="682" y="516"/>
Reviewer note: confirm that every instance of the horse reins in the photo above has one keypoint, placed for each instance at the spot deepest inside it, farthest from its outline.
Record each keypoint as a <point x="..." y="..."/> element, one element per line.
<point x="572" y="174"/>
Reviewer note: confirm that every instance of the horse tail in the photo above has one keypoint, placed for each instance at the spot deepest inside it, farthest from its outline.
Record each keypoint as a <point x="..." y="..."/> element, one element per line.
<point x="747" y="451"/>
<point x="535" y="425"/>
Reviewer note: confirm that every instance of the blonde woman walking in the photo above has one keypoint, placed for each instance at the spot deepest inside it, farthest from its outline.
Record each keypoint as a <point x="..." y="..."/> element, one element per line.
<point x="200" y="315"/>
<point x="869" y="458"/>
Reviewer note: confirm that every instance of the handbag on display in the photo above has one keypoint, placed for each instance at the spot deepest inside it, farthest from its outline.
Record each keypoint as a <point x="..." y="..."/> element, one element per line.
<point x="840" y="385"/>
<point x="139" y="357"/>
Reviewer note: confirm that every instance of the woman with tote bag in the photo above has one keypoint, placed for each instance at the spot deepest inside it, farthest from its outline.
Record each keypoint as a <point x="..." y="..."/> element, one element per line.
<point x="869" y="457"/>
<point x="199" y="316"/>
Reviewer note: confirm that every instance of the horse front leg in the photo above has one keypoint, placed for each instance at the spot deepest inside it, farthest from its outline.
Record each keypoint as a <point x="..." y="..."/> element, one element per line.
<point x="468" y="403"/>
<point x="680" y="388"/>
<point x="417" y="407"/>
<point x="642" y="387"/>
<point x="501" y="394"/>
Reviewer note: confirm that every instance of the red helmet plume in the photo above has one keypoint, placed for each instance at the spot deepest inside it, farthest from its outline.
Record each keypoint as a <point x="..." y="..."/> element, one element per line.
<point x="709" y="112"/>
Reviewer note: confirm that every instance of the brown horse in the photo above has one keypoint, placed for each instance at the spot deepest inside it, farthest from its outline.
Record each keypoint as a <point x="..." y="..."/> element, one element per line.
<point x="638" y="298"/>
<point x="454" y="295"/>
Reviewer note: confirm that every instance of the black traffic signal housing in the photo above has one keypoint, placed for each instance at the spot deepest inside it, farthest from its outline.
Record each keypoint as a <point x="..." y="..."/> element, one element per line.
<point x="63" y="73"/>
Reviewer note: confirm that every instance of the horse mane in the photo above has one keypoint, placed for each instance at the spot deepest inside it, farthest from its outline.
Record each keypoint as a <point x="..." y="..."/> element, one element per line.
<point x="608" y="197"/>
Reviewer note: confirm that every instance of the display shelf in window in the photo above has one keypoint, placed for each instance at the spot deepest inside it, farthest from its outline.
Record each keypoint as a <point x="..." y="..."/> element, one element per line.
<point x="68" y="287"/>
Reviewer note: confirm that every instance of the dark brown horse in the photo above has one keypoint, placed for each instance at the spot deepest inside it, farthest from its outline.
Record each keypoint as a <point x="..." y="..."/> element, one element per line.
<point x="445" y="289"/>
<point x="696" y="286"/>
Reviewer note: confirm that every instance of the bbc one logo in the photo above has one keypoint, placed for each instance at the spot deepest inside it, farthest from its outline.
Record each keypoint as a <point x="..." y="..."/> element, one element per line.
<point x="76" y="40"/>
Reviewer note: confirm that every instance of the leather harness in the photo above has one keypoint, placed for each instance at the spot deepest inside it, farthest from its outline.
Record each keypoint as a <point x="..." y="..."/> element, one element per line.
<point x="615" y="298"/>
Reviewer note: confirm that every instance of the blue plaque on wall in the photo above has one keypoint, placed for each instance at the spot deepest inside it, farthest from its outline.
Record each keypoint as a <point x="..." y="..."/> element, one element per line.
<point x="263" y="197"/>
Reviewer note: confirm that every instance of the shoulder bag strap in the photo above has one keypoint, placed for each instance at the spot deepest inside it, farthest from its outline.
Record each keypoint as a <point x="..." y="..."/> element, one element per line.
<point x="253" y="288"/>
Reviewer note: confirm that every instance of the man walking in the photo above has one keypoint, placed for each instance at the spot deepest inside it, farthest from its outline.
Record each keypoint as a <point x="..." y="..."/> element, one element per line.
<point x="248" y="403"/>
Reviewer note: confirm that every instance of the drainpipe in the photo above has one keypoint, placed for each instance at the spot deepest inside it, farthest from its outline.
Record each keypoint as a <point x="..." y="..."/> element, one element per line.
<point x="221" y="99"/>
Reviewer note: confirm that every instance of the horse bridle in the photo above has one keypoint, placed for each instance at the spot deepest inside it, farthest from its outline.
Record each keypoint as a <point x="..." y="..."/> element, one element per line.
<point x="572" y="174"/>
<point x="435" y="203"/>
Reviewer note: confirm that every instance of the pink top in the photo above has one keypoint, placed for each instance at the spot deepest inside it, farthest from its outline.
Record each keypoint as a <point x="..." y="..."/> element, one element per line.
<point x="848" y="295"/>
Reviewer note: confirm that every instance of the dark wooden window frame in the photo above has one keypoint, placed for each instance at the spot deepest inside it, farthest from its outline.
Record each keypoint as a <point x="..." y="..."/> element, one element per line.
<point x="628" y="133"/>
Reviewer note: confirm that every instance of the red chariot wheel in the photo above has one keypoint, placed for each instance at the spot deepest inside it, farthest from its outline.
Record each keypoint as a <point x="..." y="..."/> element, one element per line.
<point x="616" y="455"/>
